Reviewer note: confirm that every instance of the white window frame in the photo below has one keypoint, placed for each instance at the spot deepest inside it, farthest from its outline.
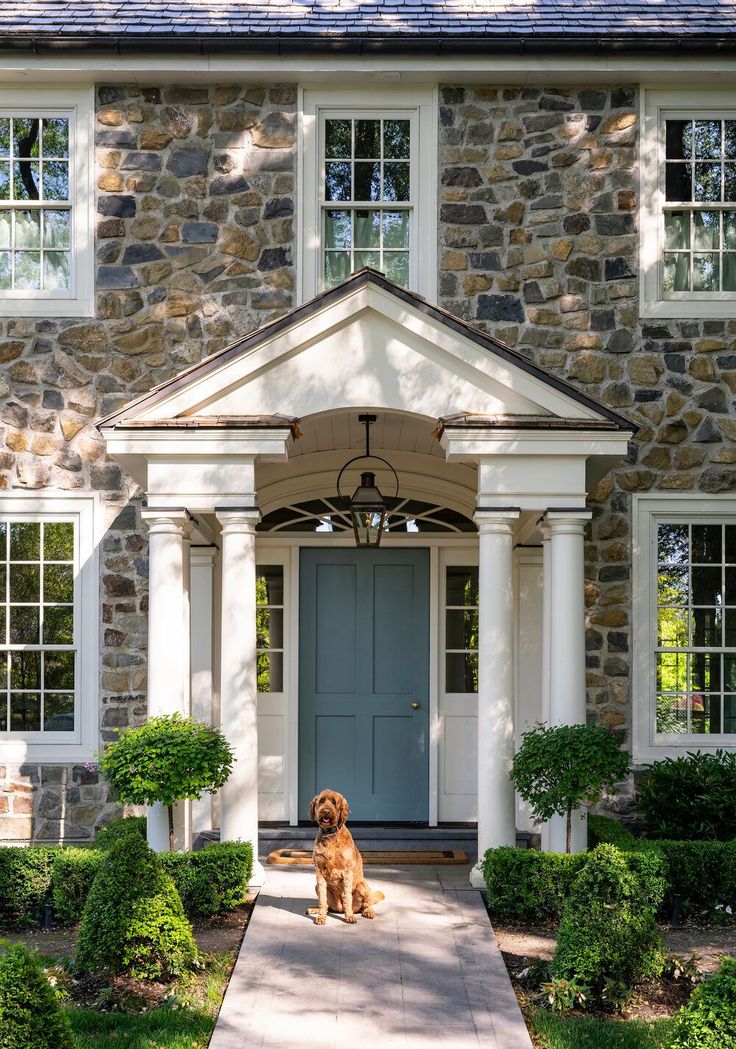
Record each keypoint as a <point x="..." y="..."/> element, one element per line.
<point x="77" y="104"/>
<point x="420" y="105"/>
<point x="82" y="743"/>
<point x="657" y="106"/>
<point x="647" y="512"/>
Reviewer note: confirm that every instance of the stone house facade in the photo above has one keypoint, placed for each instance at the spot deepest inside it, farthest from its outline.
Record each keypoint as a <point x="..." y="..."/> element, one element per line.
<point x="537" y="219"/>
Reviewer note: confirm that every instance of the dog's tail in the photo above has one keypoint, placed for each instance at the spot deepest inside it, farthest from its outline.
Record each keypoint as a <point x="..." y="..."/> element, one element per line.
<point x="376" y="897"/>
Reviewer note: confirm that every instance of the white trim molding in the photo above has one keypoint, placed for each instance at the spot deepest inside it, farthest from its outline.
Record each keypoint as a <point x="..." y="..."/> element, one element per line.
<point x="417" y="104"/>
<point x="658" y="105"/>
<point x="74" y="102"/>
<point x="82" y="743"/>
<point x="647" y="512"/>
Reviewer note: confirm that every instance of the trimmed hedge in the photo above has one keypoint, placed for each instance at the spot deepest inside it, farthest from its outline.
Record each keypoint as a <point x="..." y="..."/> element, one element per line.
<point x="708" y="1020"/>
<point x="25" y="884"/>
<point x="703" y="874"/>
<point x="213" y="880"/>
<point x="109" y="834"/>
<point x="526" y="885"/>
<point x="30" y="1014"/>
<point x="72" y="874"/>
<point x="690" y="798"/>
<point x="602" y="830"/>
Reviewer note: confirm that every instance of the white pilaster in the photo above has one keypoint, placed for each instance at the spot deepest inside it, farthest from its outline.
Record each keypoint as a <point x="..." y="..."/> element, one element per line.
<point x="238" y="684"/>
<point x="496" y="805"/>
<point x="202" y="608"/>
<point x="168" y="639"/>
<point x="566" y="629"/>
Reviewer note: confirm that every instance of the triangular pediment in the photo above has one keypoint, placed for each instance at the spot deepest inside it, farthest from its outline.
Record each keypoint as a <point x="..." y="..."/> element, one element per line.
<point x="366" y="343"/>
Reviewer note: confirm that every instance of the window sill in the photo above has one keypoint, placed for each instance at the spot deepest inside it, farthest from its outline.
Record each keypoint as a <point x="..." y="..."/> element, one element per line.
<point x="16" y="752"/>
<point x="688" y="309"/>
<point x="46" y="307"/>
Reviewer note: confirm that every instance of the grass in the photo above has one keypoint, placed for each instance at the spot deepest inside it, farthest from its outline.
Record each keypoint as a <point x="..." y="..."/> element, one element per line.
<point x="186" y="1022"/>
<point x="588" y="1032"/>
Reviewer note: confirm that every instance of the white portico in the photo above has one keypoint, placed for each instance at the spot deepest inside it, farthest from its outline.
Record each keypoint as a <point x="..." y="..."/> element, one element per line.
<point x="494" y="457"/>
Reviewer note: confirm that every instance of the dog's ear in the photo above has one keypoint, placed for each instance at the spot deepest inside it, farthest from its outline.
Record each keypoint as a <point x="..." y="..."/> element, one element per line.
<point x="312" y="814"/>
<point x="343" y="808"/>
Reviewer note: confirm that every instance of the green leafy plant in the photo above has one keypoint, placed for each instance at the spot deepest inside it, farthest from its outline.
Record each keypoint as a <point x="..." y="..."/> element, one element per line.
<point x="708" y="1020"/>
<point x="563" y="994"/>
<point x="213" y="880"/>
<point x="615" y="993"/>
<point x="604" y="830"/>
<point x="72" y="875"/>
<point x="703" y="875"/>
<point x="535" y="974"/>
<point x="527" y="885"/>
<point x="559" y="768"/>
<point x="608" y="931"/>
<point x="133" y="919"/>
<point x="113" y="830"/>
<point x="30" y="1014"/>
<point x="167" y="759"/>
<point x="690" y="797"/>
<point x="25" y="885"/>
<point x="686" y="969"/>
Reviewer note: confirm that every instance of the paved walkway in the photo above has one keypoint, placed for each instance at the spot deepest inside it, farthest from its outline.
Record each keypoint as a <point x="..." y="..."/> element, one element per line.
<point x="427" y="970"/>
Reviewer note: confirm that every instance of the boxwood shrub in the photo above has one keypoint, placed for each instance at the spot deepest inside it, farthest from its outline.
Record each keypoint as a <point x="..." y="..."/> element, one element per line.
<point x="703" y="874"/>
<point x="708" y="1020"/>
<point x="72" y="874"/>
<point x="110" y="833"/>
<point x="692" y="797"/>
<point x="25" y="884"/>
<point x="213" y="880"/>
<point x="526" y="885"/>
<point x="30" y="1014"/>
<point x="602" y="830"/>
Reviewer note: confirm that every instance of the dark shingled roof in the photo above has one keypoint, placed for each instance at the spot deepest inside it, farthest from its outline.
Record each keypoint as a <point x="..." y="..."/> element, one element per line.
<point x="446" y="22"/>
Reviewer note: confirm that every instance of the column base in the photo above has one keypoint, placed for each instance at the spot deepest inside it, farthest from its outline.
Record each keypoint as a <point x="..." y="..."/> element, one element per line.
<point x="258" y="876"/>
<point x="476" y="879"/>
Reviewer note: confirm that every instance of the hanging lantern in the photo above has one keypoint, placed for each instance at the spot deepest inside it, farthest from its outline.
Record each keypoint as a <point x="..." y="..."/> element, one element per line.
<point x="368" y="506"/>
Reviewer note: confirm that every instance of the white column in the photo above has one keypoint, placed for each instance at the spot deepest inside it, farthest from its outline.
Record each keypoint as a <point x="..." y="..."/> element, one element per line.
<point x="238" y="685"/>
<point x="546" y="645"/>
<point x="202" y="607"/>
<point x="566" y="531"/>
<point x="496" y="804"/>
<point x="168" y="638"/>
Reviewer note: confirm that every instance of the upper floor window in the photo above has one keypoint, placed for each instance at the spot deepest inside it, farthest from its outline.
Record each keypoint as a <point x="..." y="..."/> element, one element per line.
<point x="369" y="188"/>
<point x="688" y="247"/>
<point x="45" y="197"/>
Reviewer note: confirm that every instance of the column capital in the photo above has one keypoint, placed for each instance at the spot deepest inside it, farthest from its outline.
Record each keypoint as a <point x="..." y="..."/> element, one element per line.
<point x="565" y="521"/>
<point x="498" y="520"/>
<point x="235" y="519"/>
<point x="167" y="520"/>
<point x="203" y="555"/>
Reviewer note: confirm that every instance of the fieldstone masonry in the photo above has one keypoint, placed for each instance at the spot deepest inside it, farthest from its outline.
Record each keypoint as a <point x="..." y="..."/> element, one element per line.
<point x="194" y="248"/>
<point x="539" y="246"/>
<point x="195" y="242"/>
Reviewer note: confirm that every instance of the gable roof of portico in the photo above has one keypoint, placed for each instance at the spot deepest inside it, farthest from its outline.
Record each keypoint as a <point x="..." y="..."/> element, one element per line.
<point x="512" y="391"/>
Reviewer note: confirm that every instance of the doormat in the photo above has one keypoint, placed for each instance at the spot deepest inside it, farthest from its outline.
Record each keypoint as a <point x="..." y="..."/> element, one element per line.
<point x="428" y="857"/>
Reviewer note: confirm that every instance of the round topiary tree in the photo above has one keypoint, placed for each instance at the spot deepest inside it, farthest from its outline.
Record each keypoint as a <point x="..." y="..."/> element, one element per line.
<point x="133" y="921"/>
<point x="558" y="768"/>
<point x="30" y="1014"/>
<point x="167" y="759"/>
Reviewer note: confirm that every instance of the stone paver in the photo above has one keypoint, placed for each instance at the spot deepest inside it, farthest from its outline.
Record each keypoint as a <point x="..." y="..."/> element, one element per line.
<point x="428" y="968"/>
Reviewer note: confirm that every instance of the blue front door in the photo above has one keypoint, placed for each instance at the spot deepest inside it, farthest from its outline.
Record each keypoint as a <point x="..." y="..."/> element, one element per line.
<point x="364" y="680"/>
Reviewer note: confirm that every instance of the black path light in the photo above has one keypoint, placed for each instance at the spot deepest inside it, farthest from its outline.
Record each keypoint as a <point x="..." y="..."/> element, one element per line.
<point x="368" y="506"/>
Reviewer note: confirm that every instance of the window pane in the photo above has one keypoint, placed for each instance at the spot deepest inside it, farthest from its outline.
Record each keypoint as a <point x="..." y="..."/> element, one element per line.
<point x="338" y="181"/>
<point x="24" y="625"/>
<point x="4" y="137"/>
<point x="729" y="630"/>
<point x="6" y="270"/>
<point x="707" y="544"/>
<point x="26" y="137"/>
<point x="4" y="180"/>
<point x="56" y="271"/>
<point x="673" y="544"/>
<point x="461" y="672"/>
<point x="706" y="273"/>
<point x="56" y="137"/>
<point x="25" y="583"/>
<point x="707" y="184"/>
<point x="729" y="272"/>
<point x="705" y="672"/>
<point x="706" y="586"/>
<point x="26" y="179"/>
<point x="55" y="180"/>
<point x="367" y="180"/>
<point x="396" y="139"/>
<point x="678" y="179"/>
<point x="58" y="712"/>
<point x="396" y="229"/>
<point x="270" y="585"/>
<point x="731" y="586"/>
<point x="462" y="628"/>
<point x="58" y="625"/>
<point x="462" y="586"/>
<point x="368" y="139"/>
<point x="27" y="229"/>
<point x="3" y="638"/>
<point x="729" y="673"/>
<point x="367" y="229"/>
<point x="672" y="588"/>
<point x="25" y="541"/>
<point x="337" y="267"/>
<point x="270" y="628"/>
<point x="337" y="229"/>
<point x="338" y="139"/>
<point x="729" y="138"/>
<point x="6" y="229"/>
<point x="729" y="183"/>
<point x="25" y="670"/>
<point x="677" y="229"/>
<point x="367" y="258"/>
<point x="58" y="670"/>
<point x="3" y="674"/>
<point x="27" y="270"/>
<point x="58" y="583"/>
<point x="672" y="628"/>
<point x="730" y="544"/>
<point x="672" y="671"/>
<point x="270" y="671"/>
<point x="729" y="713"/>
<point x="3" y="540"/>
<point x="396" y="267"/>
<point x="25" y="712"/>
<point x="676" y="272"/>
<point x="395" y="181"/>
<point x="672" y="714"/>
<point x="678" y="139"/>
<point x="706" y="232"/>
<point x="56" y="229"/>
<point x="707" y="139"/>
<point x="707" y="627"/>
<point x="705" y="713"/>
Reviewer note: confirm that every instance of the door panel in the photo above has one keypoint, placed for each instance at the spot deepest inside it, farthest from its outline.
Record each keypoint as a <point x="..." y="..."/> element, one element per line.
<point x="363" y="660"/>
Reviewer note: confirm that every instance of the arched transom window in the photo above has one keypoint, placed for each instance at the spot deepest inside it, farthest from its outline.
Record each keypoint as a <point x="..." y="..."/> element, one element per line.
<point x="331" y="515"/>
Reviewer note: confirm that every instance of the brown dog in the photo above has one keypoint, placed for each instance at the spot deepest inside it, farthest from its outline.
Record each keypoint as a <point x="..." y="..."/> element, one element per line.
<point x="340" y="884"/>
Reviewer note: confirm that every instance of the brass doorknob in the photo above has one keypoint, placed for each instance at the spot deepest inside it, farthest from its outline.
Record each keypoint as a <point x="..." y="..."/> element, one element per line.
<point x="415" y="705"/>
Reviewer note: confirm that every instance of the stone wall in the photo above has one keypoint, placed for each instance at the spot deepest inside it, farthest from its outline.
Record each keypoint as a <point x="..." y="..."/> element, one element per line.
<point x="538" y="246"/>
<point x="195" y="241"/>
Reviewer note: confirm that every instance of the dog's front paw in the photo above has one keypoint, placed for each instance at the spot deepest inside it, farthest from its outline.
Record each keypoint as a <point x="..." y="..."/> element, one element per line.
<point x="351" y="919"/>
<point x="320" y="919"/>
<point x="368" y="912"/>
